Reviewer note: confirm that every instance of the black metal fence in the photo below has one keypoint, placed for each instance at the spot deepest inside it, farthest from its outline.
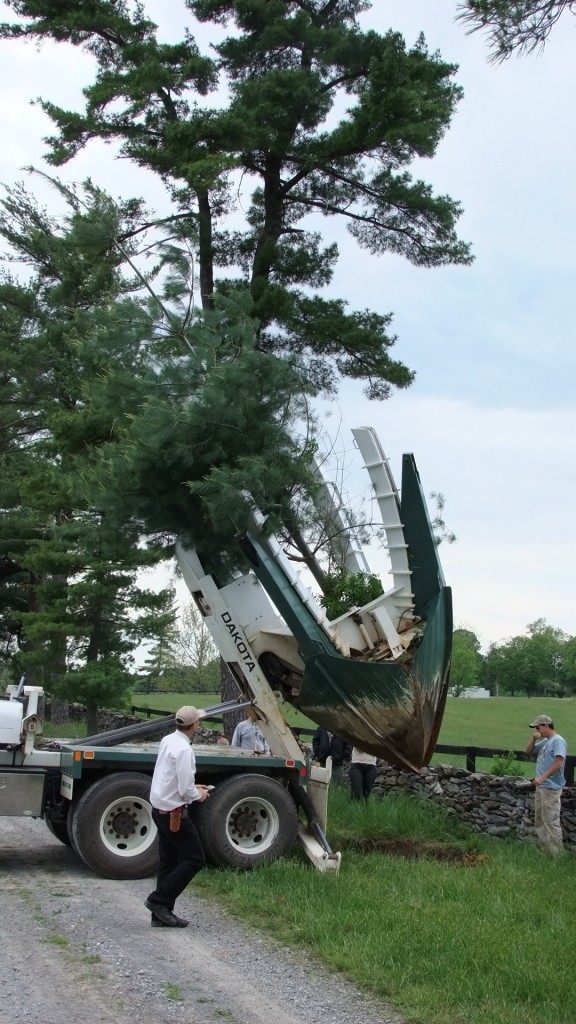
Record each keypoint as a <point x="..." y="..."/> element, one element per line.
<point x="471" y="753"/>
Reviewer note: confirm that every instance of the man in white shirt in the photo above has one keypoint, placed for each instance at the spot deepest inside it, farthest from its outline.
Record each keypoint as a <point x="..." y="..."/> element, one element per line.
<point x="175" y="796"/>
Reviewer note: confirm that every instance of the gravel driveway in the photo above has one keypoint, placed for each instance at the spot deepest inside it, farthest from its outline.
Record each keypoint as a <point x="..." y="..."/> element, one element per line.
<point x="77" y="948"/>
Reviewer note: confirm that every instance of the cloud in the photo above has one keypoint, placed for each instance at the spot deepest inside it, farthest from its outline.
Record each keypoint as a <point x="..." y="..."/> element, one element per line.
<point x="510" y="490"/>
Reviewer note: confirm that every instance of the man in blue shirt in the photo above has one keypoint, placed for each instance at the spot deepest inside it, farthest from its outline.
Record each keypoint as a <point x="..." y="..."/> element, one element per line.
<point x="550" y="749"/>
<point x="249" y="736"/>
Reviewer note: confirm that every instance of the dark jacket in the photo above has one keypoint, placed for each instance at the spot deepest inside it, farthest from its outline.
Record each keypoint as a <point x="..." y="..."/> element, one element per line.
<point x="325" y="744"/>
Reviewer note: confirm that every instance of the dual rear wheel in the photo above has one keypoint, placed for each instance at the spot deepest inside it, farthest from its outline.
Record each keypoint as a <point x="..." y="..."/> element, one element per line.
<point x="246" y="820"/>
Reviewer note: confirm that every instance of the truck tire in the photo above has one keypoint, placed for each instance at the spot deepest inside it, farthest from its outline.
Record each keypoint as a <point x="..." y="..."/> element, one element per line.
<point x="247" y="819"/>
<point x="112" y="828"/>
<point x="59" y="829"/>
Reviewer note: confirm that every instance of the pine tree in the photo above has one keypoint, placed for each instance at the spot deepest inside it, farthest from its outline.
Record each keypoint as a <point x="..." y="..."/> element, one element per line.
<point x="133" y="417"/>
<point x="70" y="601"/>
<point x="192" y="418"/>
<point x="289" y="67"/>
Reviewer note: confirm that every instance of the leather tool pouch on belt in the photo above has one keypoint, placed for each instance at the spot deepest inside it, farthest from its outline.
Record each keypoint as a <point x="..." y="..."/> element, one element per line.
<point x="175" y="819"/>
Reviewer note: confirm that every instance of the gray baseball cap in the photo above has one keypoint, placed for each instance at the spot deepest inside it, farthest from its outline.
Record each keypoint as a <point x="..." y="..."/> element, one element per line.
<point x="541" y="720"/>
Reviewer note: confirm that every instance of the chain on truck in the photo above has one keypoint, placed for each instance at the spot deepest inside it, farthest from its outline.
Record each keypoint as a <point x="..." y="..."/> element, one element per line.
<point x="377" y="676"/>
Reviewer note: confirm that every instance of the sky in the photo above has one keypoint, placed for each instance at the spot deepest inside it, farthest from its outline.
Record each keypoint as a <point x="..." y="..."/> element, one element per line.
<point x="491" y="417"/>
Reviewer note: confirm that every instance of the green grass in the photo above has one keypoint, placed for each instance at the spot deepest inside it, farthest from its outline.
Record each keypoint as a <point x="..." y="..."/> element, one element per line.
<point x="172" y="701"/>
<point x="497" y="722"/>
<point x="172" y="991"/>
<point x="66" y="730"/>
<point x="57" y="940"/>
<point x="486" y="942"/>
<point x="395" y="816"/>
<point x="500" y="722"/>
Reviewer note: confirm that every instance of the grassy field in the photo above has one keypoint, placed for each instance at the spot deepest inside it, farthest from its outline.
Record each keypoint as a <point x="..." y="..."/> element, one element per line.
<point x="486" y="940"/>
<point x="501" y="722"/>
<point x="172" y="701"/>
<point x="497" y="722"/>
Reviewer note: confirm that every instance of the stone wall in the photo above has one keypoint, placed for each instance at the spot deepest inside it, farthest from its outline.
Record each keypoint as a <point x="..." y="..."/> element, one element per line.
<point x="107" y="720"/>
<point x="496" y="806"/>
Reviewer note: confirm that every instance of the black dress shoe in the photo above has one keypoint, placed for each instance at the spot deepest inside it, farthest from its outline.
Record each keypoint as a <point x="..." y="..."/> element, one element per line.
<point x="157" y="923"/>
<point x="182" y="922"/>
<point x="165" y="916"/>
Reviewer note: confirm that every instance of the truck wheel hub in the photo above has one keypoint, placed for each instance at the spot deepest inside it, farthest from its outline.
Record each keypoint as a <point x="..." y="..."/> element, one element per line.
<point x="122" y="823"/>
<point x="245" y="822"/>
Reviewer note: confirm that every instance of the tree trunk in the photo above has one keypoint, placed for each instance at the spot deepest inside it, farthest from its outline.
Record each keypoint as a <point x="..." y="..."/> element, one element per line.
<point x="230" y="691"/>
<point x="205" y="249"/>
<point x="59" y="710"/>
<point x="91" y="718"/>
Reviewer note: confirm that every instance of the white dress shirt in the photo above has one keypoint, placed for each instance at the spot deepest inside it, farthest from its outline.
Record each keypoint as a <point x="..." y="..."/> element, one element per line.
<point x="173" y="781"/>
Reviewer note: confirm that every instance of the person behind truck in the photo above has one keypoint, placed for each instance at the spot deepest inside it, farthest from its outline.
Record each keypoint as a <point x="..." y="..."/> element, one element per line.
<point x="249" y="736"/>
<point x="362" y="774"/>
<point x="175" y="797"/>
<point x="324" y="745"/>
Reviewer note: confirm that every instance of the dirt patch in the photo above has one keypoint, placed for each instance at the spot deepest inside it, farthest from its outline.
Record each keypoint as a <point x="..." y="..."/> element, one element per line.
<point x="411" y="848"/>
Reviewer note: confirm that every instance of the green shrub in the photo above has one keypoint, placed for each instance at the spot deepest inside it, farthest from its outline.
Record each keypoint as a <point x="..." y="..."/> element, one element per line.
<point x="345" y="590"/>
<point x="506" y="764"/>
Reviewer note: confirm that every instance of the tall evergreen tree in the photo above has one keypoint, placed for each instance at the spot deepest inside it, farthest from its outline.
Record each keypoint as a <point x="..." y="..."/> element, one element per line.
<point x="321" y="118"/>
<point x="69" y="594"/>
<point x="132" y="417"/>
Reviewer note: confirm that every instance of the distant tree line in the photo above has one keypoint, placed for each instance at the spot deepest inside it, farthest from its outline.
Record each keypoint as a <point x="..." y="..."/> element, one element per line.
<point x="542" y="662"/>
<point x="188" y="662"/>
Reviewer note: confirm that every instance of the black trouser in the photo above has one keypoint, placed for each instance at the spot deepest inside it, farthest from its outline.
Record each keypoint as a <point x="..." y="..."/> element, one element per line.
<point x="181" y="857"/>
<point x="361" y="779"/>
